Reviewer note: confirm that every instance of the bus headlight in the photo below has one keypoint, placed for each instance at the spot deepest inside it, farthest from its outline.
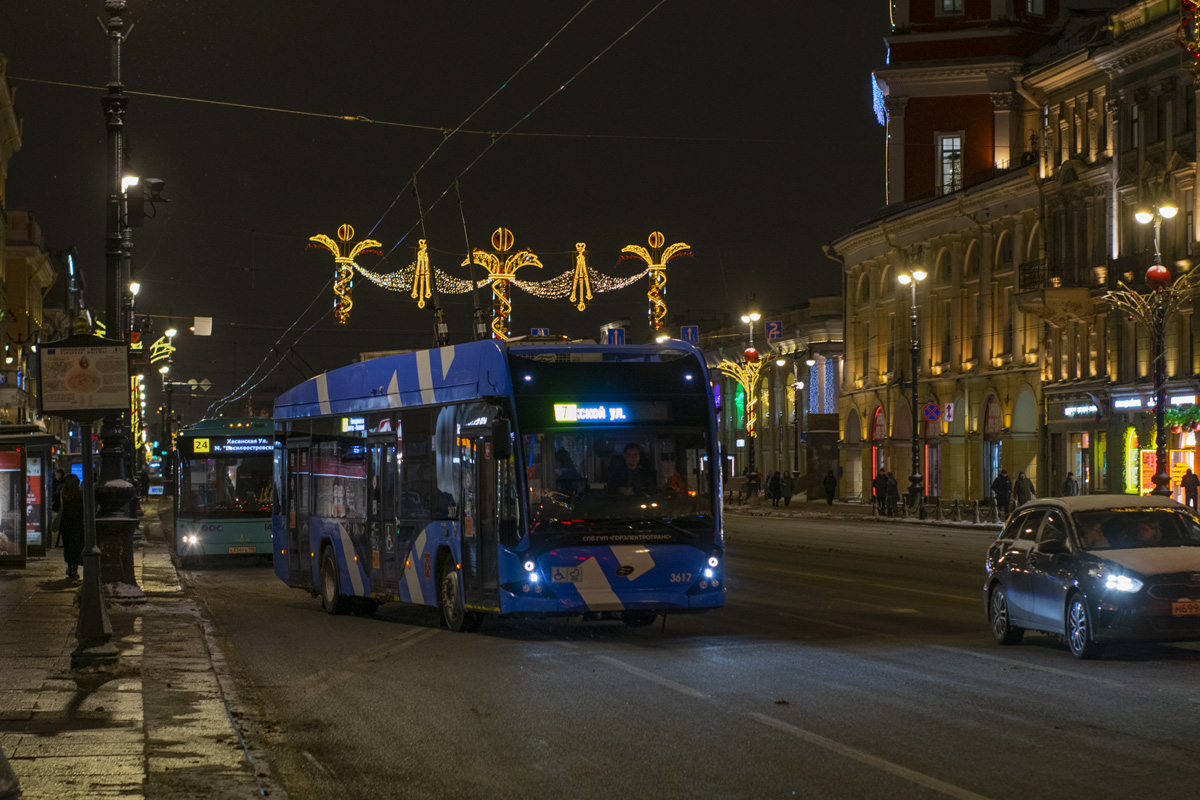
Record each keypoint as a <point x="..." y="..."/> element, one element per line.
<point x="713" y="561"/>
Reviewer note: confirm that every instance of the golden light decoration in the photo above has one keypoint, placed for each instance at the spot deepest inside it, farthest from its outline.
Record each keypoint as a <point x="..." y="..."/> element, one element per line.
<point x="501" y="267"/>
<point x="161" y="349"/>
<point x="656" y="259"/>
<point x="746" y="374"/>
<point x="581" y="286"/>
<point x="420" y="283"/>
<point x="343" y="282"/>
<point x="1188" y="34"/>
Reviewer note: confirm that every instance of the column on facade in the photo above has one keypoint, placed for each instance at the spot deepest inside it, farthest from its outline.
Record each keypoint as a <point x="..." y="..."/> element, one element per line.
<point x="1004" y="128"/>
<point x="1167" y="88"/>
<point x="986" y="334"/>
<point x="956" y="307"/>
<point x="894" y="106"/>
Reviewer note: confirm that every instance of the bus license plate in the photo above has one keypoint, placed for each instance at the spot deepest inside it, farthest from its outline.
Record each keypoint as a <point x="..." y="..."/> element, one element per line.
<point x="1185" y="608"/>
<point x="253" y="550"/>
<point x="566" y="575"/>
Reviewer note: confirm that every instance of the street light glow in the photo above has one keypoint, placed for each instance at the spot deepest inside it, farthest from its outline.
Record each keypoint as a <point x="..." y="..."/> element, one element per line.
<point x="1143" y="215"/>
<point x="127" y="181"/>
<point x="170" y="332"/>
<point x="1167" y="210"/>
<point x="919" y="274"/>
<point x="134" y="288"/>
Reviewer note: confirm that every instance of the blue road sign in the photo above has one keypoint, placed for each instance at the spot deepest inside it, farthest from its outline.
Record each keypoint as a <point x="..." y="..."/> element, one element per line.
<point x="690" y="333"/>
<point x="539" y="332"/>
<point x="774" y="329"/>
<point x="616" y="336"/>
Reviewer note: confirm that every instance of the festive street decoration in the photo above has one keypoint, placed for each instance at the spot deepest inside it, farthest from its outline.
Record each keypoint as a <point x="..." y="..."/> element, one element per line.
<point x="656" y="259"/>
<point x="502" y="267"/>
<point x="1187" y="35"/>
<point x="581" y="287"/>
<point x="343" y="282"/>
<point x="746" y="373"/>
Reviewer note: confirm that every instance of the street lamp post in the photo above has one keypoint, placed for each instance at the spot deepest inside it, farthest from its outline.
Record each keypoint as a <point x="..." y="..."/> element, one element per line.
<point x="1154" y="309"/>
<point x="916" y="489"/>
<point x="751" y="356"/>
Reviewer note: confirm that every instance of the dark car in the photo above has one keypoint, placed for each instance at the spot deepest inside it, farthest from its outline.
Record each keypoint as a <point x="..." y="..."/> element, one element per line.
<point x="1096" y="569"/>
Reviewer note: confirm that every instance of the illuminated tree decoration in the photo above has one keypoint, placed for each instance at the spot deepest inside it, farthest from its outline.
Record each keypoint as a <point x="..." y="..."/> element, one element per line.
<point x="746" y="373"/>
<point x="343" y="282"/>
<point x="581" y="287"/>
<point x="501" y="267"/>
<point x="1188" y="34"/>
<point x="656" y="259"/>
<point x="420" y="284"/>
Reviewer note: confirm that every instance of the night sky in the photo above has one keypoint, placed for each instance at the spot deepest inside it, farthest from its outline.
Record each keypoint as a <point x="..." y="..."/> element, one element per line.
<point x="742" y="128"/>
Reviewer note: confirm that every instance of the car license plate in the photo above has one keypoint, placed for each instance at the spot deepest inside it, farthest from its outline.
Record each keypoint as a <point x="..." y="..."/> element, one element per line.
<point x="255" y="550"/>
<point x="1185" y="608"/>
<point x="570" y="575"/>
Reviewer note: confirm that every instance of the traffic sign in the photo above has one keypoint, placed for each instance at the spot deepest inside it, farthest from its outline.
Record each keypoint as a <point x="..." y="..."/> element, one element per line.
<point x="539" y="332"/>
<point x="932" y="412"/>
<point x="690" y="333"/>
<point x="616" y="336"/>
<point x="774" y="329"/>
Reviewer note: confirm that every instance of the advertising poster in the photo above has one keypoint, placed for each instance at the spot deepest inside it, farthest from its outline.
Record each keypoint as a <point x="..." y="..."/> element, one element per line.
<point x="84" y="378"/>
<point x="33" y="501"/>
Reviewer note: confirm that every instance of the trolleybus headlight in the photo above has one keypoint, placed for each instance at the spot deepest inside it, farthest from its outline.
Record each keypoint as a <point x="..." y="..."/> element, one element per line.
<point x="530" y="566"/>
<point x="708" y="573"/>
<point x="713" y="561"/>
<point x="533" y="577"/>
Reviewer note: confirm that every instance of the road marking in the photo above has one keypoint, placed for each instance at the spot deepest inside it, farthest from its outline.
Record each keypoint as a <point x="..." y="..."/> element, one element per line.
<point x="904" y="610"/>
<point x="650" y="676"/>
<point x="313" y="760"/>
<point x="1013" y="662"/>
<point x="819" y="575"/>
<point x="925" y="591"/>
<point x="884" y="765"/>
<point x="837" y="625"/>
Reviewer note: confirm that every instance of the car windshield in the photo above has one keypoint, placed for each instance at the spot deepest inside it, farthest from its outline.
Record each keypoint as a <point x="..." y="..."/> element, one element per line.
<point x="618" y="474"/>
<point x="1132" y="528"/>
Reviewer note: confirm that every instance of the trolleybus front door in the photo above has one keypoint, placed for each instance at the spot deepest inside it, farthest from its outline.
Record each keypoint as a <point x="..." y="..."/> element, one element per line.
<point x="298" y="498"/>
<point x="480" y="523"/>
<point x="387" y="557"/>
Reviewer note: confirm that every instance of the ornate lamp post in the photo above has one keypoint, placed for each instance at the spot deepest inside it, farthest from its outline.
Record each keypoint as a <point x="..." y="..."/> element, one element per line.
<point x="1154" y="309"/>
<point x="746" y="373"/>
<point x="916" y="490"/>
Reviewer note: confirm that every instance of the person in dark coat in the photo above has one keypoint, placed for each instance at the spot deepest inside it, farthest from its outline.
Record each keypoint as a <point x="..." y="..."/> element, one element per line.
<point x="830" y="484"/>
<point x="70" y="525"/>
<point x="1023" y="490"/>
<point x="880" y="487"/>
<point x="1190" y="484"/>
<point x="1002" y="491"/>
<point x="1070" y="485"/>
<point x="774" y="490"/>
<point x="631" y="473"/>
<point x="787" y="485"/>
<point x="60" y="478"/>
<point x="893" y="494"/>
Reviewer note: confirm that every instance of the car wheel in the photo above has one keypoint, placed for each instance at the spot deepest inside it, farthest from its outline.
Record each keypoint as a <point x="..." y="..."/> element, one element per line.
<point x="1079" y="629"/>
<point x="638" y="619"/>
<point x="332" y="599"/>
<point x="1002" y="627"/>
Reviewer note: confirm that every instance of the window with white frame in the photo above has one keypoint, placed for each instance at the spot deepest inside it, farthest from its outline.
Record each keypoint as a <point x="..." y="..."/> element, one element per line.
<point x="1037" y="7"/>
<point x="949" y="159"/>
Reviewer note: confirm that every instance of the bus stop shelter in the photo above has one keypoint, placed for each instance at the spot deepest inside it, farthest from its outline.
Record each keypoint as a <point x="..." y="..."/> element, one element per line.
<point x="26" y="482"/>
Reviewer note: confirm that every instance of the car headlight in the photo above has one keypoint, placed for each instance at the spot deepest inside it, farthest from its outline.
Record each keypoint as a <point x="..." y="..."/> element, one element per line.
<point x="1121" y="583"/>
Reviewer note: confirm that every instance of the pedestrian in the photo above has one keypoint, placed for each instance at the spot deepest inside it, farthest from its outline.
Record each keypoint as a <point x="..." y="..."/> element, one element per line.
<point x="893" y="494"/>
<point x="774" y="488"/>
<point x="56" y="504"/>
<point x="1023" y="490"/>
<point x="1190" y="483"/>
<point x="144" y="482"/>
<point x="879" y="485"/>
<point x="787" y="485"/>
<point x="70" y="526"/>
<point x="830" y="484"/>
<point x="1002" y="491"/>
<point x="1070" y="485"/>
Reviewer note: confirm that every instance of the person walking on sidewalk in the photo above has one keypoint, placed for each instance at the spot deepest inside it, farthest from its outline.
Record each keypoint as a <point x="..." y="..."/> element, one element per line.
<point x="893" y="494"/>
<point x="774" y="489"/>
<point x="1002" y="491"/>
<point x="880" y="487"/>
<point x="1070" y="485"/>
<point x="56" y="504"/>
<point x="830" y="484"/>
<point x="1023" y="490"/>
<point x="70" y="525"/>
<point x="787" y="485"/>
<point x="1190" y="484"/>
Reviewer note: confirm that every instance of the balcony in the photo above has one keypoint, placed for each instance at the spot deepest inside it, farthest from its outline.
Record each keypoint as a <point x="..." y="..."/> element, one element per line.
<point x="1058" y="292"/>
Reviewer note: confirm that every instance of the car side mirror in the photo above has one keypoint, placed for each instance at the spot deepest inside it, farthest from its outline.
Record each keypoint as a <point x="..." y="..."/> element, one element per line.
<point x="1052" y="547"/>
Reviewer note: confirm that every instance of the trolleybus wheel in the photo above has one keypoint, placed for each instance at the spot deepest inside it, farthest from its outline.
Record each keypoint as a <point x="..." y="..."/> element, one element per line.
<point x="450" y="598"/>
<point x="332" y="600"/>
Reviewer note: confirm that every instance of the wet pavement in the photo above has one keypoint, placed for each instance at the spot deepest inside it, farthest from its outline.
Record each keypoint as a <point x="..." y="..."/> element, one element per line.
<point x="160" y="723"/>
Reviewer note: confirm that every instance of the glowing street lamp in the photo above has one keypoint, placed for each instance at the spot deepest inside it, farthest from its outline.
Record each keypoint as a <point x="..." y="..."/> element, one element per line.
<point x="916" y="490"/>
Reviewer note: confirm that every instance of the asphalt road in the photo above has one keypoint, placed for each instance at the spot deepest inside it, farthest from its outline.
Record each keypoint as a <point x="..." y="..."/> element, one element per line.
<point x="853" y="660"/>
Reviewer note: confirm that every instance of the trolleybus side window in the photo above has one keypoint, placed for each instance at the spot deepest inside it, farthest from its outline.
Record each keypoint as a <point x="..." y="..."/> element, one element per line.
<point x="416" y="468"/>
<point x="446" y="462"/>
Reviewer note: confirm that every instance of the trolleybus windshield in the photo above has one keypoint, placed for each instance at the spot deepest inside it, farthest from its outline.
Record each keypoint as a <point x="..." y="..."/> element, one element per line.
<point x="226" y="485"/>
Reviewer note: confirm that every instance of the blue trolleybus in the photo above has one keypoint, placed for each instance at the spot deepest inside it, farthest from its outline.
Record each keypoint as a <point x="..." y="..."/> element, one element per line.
<point x="504" y="478"/>
<point x="223" y="493"/>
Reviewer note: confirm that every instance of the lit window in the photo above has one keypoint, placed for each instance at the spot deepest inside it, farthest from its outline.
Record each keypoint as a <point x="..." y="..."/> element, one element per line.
<point x="952" y="6"/>
<point x="949" y="162"/>
<point x="1037" y="7"/>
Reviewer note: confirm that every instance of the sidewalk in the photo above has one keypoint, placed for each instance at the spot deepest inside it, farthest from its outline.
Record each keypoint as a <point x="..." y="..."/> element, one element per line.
<point x="156" y="725"/>
<point x="819" y="509"/>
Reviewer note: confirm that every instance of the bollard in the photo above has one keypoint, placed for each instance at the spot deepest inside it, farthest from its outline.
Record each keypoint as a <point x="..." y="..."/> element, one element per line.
<point x="10" y="787"/>
<point x="975" y="512"/>
<point x="937" y="511"/>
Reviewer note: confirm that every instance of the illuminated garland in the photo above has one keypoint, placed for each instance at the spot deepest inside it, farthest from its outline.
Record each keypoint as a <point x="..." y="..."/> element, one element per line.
<point x="1187" y="35"/>
<point x="656" y="259"/>
<point x="746" y="374"/>
<point x="501" y="268"/>
<point x="343" y="282"/>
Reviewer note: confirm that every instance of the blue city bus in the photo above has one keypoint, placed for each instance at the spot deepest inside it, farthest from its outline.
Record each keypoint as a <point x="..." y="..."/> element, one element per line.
<point x="223" y="489"/>
<point x="494" y="478"/>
